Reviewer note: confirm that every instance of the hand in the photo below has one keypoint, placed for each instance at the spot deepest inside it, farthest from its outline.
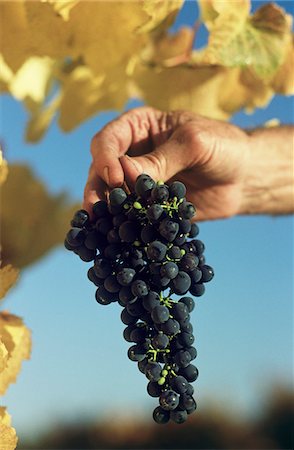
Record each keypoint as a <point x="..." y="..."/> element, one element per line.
<point x="210" y="157"/>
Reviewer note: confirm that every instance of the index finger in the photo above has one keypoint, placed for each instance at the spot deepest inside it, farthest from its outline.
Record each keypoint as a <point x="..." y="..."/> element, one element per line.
<point x="115" y="139"/>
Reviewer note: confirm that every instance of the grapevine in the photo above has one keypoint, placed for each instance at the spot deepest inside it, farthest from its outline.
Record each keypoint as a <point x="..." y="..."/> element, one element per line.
<point x="145" y="251"/>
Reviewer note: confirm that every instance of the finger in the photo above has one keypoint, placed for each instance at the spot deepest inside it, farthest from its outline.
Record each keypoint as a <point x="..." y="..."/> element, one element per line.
<point x="161" y="164"/>
<point x="94" y="190"/>
<point x="132" y="129"/>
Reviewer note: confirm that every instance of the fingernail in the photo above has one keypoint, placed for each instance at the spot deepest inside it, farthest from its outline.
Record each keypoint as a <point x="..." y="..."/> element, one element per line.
<point x="106" y="174"/>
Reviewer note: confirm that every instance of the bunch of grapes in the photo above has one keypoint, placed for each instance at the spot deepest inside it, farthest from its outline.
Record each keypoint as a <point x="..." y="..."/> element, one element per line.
<point x="145" y="250"/>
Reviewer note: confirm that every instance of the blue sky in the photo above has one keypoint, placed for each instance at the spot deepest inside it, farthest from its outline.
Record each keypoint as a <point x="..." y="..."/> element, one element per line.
<point x="79" y="368"/>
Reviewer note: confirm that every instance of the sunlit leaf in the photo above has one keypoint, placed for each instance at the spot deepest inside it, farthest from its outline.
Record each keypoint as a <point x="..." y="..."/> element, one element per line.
<point x="210" y="10"/>
<point x="3" y="169"/>
<point x="161" y="13"/>
<point x="42" y="218"/>
<point x="39" y="69"/>
<point x="259" y="42"/>
<point x="84" y="94"/>
<point x="41" y="118"/>
<point x="283" y="82"/>
<point x="183" y="88"/>
<point x="17" y="339"/>
<point x="8" y="438"/>
<point x="8" y="277"/>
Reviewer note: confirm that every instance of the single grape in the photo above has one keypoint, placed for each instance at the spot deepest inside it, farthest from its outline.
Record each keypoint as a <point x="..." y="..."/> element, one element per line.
<point x="193" y="352"/>
<point x="178" y="415"/>
<point x="179" y="384"/>
<point x="85" y="253"/>
<point x="189" y="262"/>
<point x="143" y="186"/>
<point x="169" y="270"/>
<point x="156" y="251"/>
<point x="190" y="373"/>
<point x="160" y="193"/>
<point x="153" y="371"/>
<point x="194" y="230"/>
<point x="207" y="273"/>
<point x="75" y="237"/>
<point x="170" y="327"/>
<point x="142" y="364"/>
<point x="182" y="358"/>
<point x="100" y="209"/>
<point x="128" y="231"/>
<point x="181" y="283"/>
<point x="168" y="229"/>
<point x="189" y="302"/>
<point x="103" y="296"/>
<point x="187" y="402"/>
<point x="160" y="314"/>
<point x="180" y="311"/>
<point x="177" y="189"/>
<point x="199" y="246"/>
<point x="103" y="225"/>
<point x="127" y="318"/>
<point x="169" y="400"/>
<point x="117" y="197"/>
<point x="111" y="284"/>
<point x="154" y="212"/>
<point x="148" y="234"/>
<point x="137" y="352"/>
<point x="102" y="268"/>
<point x="186" y="210"/>
<point x="160" y="341"/>
<point x="92" y="277"/>
<point x="174" y="253"/>
<point x="153" y="389"/>
<point x="160" y="415"/>
<point x="184" y="226"/>
<point x="186" y="339"/>
<point x="139" y="288"/>
<point x="195" y="275"/>
<point x="197" y="289"/>
<point x="80" y="219"/>
<point x="125" y="276"/>
<point x="151" y="300"/>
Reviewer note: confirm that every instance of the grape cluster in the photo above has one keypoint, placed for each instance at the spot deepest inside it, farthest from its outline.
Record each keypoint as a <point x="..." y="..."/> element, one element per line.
<point x="144" y="249"/>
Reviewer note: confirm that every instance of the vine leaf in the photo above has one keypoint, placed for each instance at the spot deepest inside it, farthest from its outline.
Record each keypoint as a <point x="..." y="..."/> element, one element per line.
<point x="16" y="338"/>
<point x="260" y="41"/>
<point x="37" y="230"/>
<point x="8" y="438"/>
<point x="8" y="277"/>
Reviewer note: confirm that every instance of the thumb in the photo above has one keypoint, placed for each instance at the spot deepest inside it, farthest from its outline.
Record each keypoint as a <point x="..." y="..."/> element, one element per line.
<point x="161" y="164"/>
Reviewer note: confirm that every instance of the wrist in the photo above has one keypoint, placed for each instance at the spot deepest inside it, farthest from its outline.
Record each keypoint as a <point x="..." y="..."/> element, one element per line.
<point x="268" y="186"/>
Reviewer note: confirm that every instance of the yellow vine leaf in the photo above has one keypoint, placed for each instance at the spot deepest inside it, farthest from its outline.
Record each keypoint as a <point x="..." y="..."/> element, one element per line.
<point x="259" y="42"/>
<point x="161" y="14"/>
<point x="63" y="7"/>
<point x="40" y="229"/>
<point x="8" y="438"/>
<point x="41" y="118"/>
<point x="181" y="90"/>
<point x="283" y="82"/>
<point x="17" y="339"/>
<point x="169" y="49"/>
<point x="84" y="94"/>
<point x="3" y="169"/>
<point x="3" y="356"/>
<point x="8" y="277"/>
<point x="210" y="10"/>
<point x="39" y="69"/>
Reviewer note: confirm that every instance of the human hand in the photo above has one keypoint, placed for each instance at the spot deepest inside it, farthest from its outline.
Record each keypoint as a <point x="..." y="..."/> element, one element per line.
<point x="210" y="157"/>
